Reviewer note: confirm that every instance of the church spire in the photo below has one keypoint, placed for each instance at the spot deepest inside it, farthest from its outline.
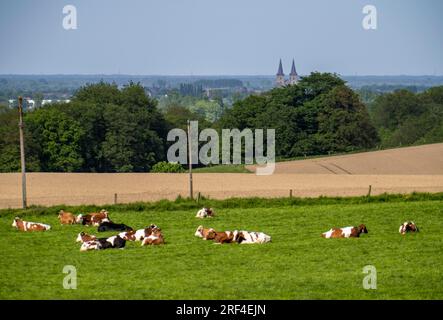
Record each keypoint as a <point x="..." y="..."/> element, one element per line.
<point x="293" y="76"/>
<point x="293" y="71"/>
<point x="280" y="77"/>
<point x="280" y="70"/>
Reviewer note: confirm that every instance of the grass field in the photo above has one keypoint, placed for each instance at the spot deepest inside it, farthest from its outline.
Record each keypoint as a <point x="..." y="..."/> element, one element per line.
<point x="298" y="264"/>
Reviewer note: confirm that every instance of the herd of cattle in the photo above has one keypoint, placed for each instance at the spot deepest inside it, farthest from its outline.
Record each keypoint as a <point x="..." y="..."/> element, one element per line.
<point x="152" y="235"/>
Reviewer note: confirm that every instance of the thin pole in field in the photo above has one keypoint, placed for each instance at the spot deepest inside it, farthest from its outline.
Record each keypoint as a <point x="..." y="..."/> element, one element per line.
<point x="191" y="193"/>
<point x="22" y="151"/>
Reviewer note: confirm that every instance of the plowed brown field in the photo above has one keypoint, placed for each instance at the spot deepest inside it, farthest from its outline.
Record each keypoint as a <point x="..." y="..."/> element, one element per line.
<point x="394" y="171"/>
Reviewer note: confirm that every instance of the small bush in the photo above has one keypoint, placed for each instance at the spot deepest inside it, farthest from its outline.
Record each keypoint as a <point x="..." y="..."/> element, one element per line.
<point x="167" y="167"/>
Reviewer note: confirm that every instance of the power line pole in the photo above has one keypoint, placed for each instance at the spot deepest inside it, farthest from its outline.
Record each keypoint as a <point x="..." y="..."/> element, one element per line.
<point x="22" y="150"/>
<point x="191" y="191"/>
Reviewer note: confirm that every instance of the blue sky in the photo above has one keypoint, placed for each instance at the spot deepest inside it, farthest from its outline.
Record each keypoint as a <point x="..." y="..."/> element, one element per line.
<point x="213" y="37"/>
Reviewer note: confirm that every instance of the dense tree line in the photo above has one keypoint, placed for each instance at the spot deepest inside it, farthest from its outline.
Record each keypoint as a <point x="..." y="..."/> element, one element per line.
<point x="317" y="116"/>
<point x="103" y="129"/>
<point x="406" y="118"/>
<point x="107" y="129"/>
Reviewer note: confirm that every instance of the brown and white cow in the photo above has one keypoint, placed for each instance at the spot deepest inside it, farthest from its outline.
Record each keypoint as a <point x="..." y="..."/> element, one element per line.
<point x="204" y="233"/>
<point x="84" y="237"/>
<point x="66" y="217"/>
<point x="248" y="237"/>
<point x="94" y="218"/>
<point x="90" y="245"/>
<point x="408" y="226"/>
<point x="347" y="232"/>
<point x="225" y="237"/>
<point x="139" y="235"/>
<point x="205" y="213"/>
<point x="155" y="238"/>
<point x="29" y="226"/>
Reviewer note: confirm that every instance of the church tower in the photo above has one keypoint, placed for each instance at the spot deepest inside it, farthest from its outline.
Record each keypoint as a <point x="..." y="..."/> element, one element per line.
<point x="280" y="77"/>
<point x="293" y="76"/>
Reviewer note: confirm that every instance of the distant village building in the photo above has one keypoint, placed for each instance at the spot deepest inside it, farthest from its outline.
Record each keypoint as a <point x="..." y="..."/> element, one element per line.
<point x="280" y="76"/>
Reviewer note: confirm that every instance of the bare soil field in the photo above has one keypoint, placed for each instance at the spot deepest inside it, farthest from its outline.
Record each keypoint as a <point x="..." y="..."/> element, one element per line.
<point x="426" y="159"/>
<point x="393" y="171"/>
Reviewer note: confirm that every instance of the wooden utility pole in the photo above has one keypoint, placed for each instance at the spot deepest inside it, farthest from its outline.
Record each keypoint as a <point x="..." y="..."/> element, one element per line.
<point x="22" y="150"/>
<point x="191" y="192"/>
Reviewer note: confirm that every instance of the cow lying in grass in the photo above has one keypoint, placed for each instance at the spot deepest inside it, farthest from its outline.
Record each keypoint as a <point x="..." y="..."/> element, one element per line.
<point x="29" y="226"/>
<point x="408" y="226"/>
<point x="348" y="232"/>
<point x="110" y="226"/>
<point x="66" y="217"/>
<point x="84" y="237"/>
<point x="139" y="235"/>
<point x="205" y="234"/>
<point x="205" y="213"/>
<point x="224" y="237"/>
<point x="93" y="219"/>
<point x="103" y="243"/>
<point x="155" y="238"/>
<point x="243" y="237"/>
<point x="211" y="234"/>
<point x="247" y="237"/>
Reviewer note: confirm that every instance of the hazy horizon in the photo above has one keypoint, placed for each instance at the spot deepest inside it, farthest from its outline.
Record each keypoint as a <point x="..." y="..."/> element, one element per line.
<point x="229" y="38"/>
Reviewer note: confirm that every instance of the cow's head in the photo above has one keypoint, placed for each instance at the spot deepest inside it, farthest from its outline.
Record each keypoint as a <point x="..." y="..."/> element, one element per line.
<point x="199" y="232"/>
<point x="154" y="227"/>
<point x="80" y="237"/>
<point x="16" y="220"/>
<point x="362" y="229"/>
<point x="411" y="226"/>
<point x="79" y="219"/>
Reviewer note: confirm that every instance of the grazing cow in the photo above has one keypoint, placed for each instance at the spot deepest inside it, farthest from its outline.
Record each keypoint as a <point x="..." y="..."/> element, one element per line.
<point x="348" y="232"/>
<point x="29" y="226"/>
<point x="140" y="234"/>
<point x="110" y="226"/>
<point x="103" y="243"/>
<point x="155" y="238"/>
<point x="224" y="237"/>
<point x="205" y="234"/>
<point x="408" y="226"/>
<point x="205" y="213"/>
<point x="246" y="237"/>
<point x="94" y="218"/>
<point x="66" y="217"/>
<point x="84" y="237"/>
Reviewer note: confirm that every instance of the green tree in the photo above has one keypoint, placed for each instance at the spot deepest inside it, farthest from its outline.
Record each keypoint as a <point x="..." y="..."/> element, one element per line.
<point x="10" y="143"/>
<point x="59" y="138"/>
<point x="318" y="115"/>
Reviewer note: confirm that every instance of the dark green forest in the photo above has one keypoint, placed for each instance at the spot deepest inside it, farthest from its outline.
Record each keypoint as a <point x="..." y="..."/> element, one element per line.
<point x="110" y="129"/>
